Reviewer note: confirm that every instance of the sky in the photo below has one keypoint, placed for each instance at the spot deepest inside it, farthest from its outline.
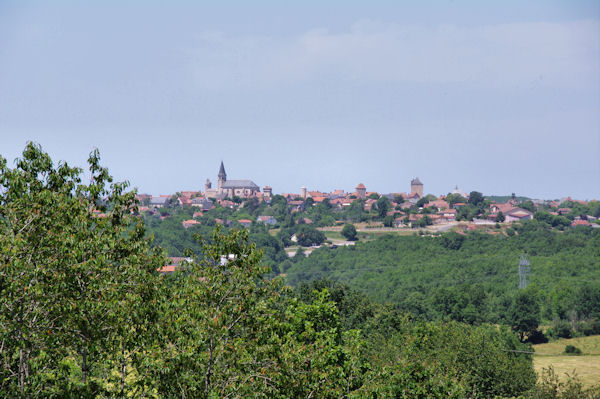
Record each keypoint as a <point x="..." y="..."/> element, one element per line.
<point x="497" y="97"/>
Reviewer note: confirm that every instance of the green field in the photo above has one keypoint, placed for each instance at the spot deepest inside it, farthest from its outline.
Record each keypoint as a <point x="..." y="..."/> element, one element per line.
<point x="586" y="365"/>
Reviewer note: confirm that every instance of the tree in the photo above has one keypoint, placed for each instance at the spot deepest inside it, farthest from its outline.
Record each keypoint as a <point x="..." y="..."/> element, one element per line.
<point x="475" y="198"/>
<point x="455" y="199"/>
<point x="500" y="217"/>
<point x="388" y="221"/>
<point x="77" y="278"/>
<point x="524" y="313"/>
<point x="349" y="232"/>
<point x="309" y="236"/>
<point x="529" y="205"/>
<point x="226" y="331"/>
<point x="421" y="203"/>
<point x="382" y="205"/>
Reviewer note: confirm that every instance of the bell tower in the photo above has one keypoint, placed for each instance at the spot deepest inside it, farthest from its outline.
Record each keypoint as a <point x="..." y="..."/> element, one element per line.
<point x="222" y="176"/>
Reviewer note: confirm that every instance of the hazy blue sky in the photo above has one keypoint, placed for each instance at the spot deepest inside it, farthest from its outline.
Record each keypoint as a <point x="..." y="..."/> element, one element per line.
<point x="498" y="98"/>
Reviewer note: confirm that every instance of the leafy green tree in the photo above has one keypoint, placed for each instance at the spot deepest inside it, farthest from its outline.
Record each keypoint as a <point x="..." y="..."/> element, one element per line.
<point x="475" y="198"/>
<point x="349" y="232"/>
<point x="382" y="206"/>
<point x="77" y="279"/>
<point x="227" y="331"/>
<point x="500" y="217"/>
<point x="524" y="313"/>
<point x="309" y="236"/>
<point x="422" y="202"/>
<point x="529" y="205"/>
<point x="455" y="199"/>
<point x="355" y="212"/>
<point x="388" y="221"/>
<point x="210" y="312"/>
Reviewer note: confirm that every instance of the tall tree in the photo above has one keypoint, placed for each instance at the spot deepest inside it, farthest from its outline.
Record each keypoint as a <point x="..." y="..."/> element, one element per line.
<point x="524" y="313"/>
<point x="76" y="276"/>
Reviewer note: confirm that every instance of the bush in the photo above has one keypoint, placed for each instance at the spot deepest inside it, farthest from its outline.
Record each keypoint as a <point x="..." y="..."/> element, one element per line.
<point x="349" y="232"/>
<point x="560" y="329"/>
<point x="591" y="327"/>
<point x="537" y="337"/>
<point x="572" y="350"/>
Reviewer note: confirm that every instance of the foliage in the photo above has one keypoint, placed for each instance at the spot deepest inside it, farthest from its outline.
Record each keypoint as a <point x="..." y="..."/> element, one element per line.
<point x="500" y="217"/>
<point x="432" y="275"/>
<point x="475" y="198"/>
<point x="84" y="312"/>
<point x="572" y="350"/>
<point x="349" y="232"/>
<point x="227" y="331"/>
<point x="455" y="199"/>
<point x="551" y="387"/>
<point x="309" y="236"/>
<point x="77" y="278"/>
<point x="524" y="313"/>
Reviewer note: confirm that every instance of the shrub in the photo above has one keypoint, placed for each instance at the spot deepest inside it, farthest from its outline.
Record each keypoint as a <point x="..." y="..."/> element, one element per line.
<point x="560" y="329"/>
<point x="572" y="350"/>
<point x="591" y="327"/>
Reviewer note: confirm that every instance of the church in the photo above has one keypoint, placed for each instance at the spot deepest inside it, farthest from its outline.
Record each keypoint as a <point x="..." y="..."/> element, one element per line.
<point x="230" y="188"/>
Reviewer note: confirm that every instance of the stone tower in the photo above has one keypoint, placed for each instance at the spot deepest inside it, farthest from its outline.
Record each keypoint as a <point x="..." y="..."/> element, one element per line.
<point x="222" y="176"/>
<point x="361" y="191"/>
<point x="416" y="187"/>
<point x="207" y="185"/>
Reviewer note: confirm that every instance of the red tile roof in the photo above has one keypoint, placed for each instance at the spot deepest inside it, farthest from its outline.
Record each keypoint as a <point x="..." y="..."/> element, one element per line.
<point x="581" y="223"/>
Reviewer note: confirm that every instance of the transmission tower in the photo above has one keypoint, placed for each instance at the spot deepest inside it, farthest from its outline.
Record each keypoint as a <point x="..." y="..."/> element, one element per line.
<point x="523" y="271"/>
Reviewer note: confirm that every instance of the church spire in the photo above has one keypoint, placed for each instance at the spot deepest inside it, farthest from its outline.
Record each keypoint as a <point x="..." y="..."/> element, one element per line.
<point x="222" y="174"/>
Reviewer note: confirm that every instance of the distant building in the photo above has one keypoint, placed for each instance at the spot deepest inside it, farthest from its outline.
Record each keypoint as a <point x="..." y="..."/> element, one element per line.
<point x="203" y="203"/>
<point x="517" y="214"/>
<point x="245" y="222"/>
<point x="361" y="191"/>
<point x="159" y="202"/>
<point x="270" y="220"/>
<point x="189" y="223"/>
<point x="231" y="188"/>
<point x="416" y="187"/>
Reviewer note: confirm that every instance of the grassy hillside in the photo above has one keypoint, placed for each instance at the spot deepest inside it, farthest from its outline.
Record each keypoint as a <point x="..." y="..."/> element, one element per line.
<point x="586" y="365"/>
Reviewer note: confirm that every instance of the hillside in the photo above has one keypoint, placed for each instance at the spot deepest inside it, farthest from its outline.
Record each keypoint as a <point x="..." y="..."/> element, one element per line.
<point x="417" y="273"/>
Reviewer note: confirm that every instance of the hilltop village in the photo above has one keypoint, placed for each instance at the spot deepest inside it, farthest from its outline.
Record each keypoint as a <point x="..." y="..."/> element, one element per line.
<point x="410" y="209"/>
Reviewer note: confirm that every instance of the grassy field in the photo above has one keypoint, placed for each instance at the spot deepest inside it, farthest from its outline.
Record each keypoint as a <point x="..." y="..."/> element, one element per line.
<point x="586" y="365"/>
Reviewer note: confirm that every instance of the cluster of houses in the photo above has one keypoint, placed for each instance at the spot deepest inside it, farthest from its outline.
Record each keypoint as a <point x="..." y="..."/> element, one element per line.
<point x="437" y="211"/>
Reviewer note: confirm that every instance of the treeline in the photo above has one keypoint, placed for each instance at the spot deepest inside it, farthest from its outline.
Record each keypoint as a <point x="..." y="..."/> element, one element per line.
<point x="473" y="278"/>
<point x="84" y="313"/>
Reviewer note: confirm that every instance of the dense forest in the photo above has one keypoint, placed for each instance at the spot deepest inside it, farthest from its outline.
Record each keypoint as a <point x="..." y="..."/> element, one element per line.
<point x="85" y="313"/>
<point x="473" y="277"/>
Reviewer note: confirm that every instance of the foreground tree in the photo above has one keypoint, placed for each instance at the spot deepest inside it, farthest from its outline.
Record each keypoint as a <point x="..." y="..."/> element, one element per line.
<point x="226" y="331"/>
<point x="76" y="278"/>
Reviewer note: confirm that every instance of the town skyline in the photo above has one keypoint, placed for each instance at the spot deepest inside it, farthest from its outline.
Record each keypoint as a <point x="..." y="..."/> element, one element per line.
<point x="215" y="192"/>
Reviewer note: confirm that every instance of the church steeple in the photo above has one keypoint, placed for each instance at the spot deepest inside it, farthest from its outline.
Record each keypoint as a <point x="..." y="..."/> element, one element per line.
<point x="222" y="175"/>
